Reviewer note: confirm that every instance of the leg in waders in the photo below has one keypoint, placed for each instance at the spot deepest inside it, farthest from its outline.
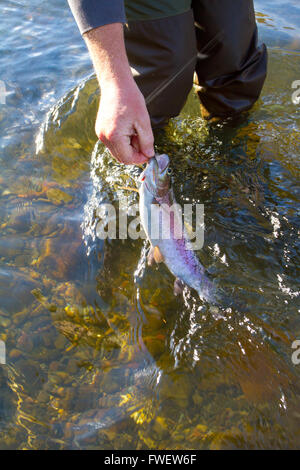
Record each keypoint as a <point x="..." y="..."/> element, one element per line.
<point x="217" y="39"/>
<point x="232" y="70"/>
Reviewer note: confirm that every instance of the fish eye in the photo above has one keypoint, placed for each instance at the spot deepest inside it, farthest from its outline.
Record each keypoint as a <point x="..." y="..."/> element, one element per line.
<point x="169" y="171"/>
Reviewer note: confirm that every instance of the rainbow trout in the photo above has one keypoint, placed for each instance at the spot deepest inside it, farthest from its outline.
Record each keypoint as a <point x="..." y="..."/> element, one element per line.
<point x="162" y="221"/>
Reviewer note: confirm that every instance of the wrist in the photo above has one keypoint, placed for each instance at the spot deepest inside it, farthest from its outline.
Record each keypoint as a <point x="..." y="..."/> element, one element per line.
<point x="116" y="78"/>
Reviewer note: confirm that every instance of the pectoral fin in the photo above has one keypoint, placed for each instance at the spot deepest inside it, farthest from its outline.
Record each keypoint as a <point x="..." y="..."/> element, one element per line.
<point x="157" y="255"/>
<point x="154" y="256"/>
<point x="150" y="257"/>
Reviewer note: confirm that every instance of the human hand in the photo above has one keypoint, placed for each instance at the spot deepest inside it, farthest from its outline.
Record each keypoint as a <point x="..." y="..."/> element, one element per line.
<point x="123" y="123"/>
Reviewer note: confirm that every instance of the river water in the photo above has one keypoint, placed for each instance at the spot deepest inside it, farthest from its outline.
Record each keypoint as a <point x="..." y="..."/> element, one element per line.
<point x="99" y="352"/>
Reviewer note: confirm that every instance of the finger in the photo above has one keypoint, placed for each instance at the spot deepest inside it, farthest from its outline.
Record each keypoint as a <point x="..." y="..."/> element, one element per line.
<point x="145" y="138"/>
<point x="124" y="152"/>
<point x="138" y="156"/>
<point x="111" y="147"/>
<point x="135" y="142"/>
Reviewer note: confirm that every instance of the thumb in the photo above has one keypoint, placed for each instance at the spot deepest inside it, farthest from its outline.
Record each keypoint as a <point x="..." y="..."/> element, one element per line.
<point x="145" y="139"/>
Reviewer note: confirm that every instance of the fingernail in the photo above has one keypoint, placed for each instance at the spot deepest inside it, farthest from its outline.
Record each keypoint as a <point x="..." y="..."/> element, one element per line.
<point x="149" y="153"/>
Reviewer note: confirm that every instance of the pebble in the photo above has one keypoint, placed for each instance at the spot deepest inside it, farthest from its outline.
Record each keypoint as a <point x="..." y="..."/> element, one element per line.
<point x="5" y="322"/>
<point x="15" y="353"/>
<point x="60" y="342"/>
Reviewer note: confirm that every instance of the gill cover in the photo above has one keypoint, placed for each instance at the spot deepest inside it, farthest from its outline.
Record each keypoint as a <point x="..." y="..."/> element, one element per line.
<point x="156" y="176"/>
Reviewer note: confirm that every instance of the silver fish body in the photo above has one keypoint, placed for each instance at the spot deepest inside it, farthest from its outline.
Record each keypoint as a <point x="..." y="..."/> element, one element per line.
<point x="170" y="238"/>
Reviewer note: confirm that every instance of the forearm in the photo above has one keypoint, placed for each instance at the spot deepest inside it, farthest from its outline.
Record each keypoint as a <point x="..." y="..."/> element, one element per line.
<point x="123" y="123"/>
<point x="107" y="49"/>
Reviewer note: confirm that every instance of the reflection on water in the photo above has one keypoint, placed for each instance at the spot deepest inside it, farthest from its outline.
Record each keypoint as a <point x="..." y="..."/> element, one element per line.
<point x="279" y="23"/>
<point x="100" y="354"/>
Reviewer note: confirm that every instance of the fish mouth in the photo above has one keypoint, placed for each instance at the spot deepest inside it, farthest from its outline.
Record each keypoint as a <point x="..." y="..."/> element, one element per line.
<point x="163" y="162"/>
<point x="156" y="167"/>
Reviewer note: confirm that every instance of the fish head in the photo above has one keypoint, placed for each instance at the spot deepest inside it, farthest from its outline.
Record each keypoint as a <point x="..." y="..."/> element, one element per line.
<point x="156" y="176"/>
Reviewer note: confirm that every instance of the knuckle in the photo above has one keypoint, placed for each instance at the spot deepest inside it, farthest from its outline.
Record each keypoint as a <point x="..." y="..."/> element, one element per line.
<point x="107" y="136"/>
<point x="111" y="135"/>
<point x="101" y="136"/>
<point x="100" y="132"/>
